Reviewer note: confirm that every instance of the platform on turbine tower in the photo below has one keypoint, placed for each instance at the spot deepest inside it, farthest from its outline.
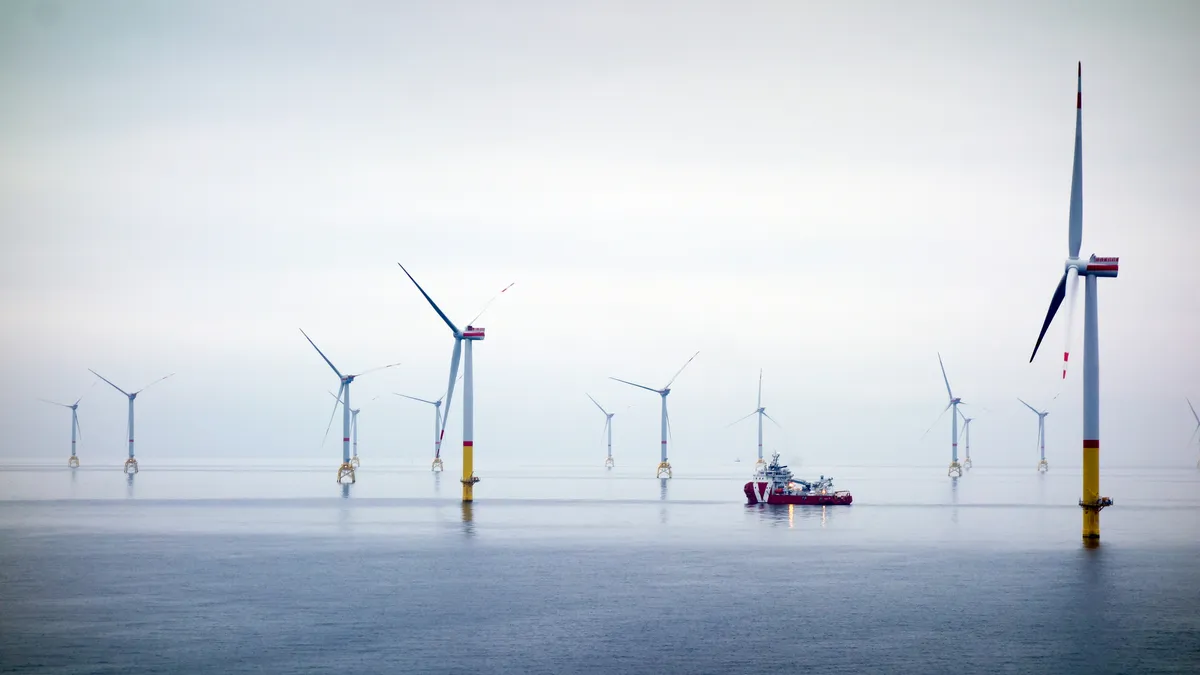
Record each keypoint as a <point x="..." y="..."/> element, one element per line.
<point x="73" y="462"/>
<point x="437" y="465"/>
<point x="967" y="464"/>
<point x="131" y="466"/>
<point x="663" y="471"/>
<point x="1097" y="505"/>
<point x="955" y="470"/>
<point x="354" y="461"/>
<point x="346" y="470"/>
<point x="470" y="481"/>
<point x="608" y="463"/>
<point x="1043" y="467"/>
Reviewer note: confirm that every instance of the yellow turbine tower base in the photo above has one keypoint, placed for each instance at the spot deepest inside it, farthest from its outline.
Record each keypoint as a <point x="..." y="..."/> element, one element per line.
<point x="663" y="471"/>
<point x="967" y="464"/>
<point x="437" y="465"/>
<point x="1043" y="467"/>
<point x="73" y="462"/>
<point x="346" y="470"/>
<point x="955" y="470"/>
<point x="354" y="461"/>
<point x="131" y="466"/>
<point x="608" y="463"/>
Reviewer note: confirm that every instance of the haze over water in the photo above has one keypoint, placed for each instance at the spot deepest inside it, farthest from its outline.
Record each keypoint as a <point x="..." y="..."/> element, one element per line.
<point x="575" y="569"/>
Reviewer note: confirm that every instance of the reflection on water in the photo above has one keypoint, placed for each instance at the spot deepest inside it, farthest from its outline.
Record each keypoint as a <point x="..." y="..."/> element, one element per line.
<point x="437" y="483"/>
<point x="777" y="516"/>
<point x="954" y="500"/>
<point x="662" y="496"/>
<point x="468" y="519"/>
<point x="345" y="490"/>
<point x="129" y="486"/>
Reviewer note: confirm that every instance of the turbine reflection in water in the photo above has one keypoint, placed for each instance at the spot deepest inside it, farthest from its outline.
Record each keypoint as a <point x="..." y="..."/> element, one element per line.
<point x="468" y="520"/>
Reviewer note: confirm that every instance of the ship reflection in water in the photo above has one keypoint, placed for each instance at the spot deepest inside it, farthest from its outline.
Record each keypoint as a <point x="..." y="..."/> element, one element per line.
<point x="779" y="515"/>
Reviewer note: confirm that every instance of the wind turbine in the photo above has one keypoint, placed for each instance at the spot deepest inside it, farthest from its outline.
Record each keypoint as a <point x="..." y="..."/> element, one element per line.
<point x="967" y="432"/>
<point x="131" y="465"/>
<point x="1196" y="430"/>
<point x="346" y="470"/>
<point x="608" y="463"/>
<point x="1042" y="466"/>
<point x="437" y="428"/>
<point x="72" y="461"/>
<point x="1091" y="269"/>
<point x="956" y="469"/>
<point x="760" y="465"/>
<point x="470" y="335"/>
<point x="353" y="432"/>
<point x="664" y="467"/>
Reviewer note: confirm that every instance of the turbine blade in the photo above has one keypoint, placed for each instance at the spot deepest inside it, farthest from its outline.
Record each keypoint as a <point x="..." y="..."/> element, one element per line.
<point x="740" y="419"/>
<point x="1075" y="220"/>
<point x="772" y="420"/>
<point x="78" y="429"/>
<point x="454" y="359"/>
<point x="153" y="383"/>
<point x="946" y="379"/>
<point x="1193" y="410"/>
<point x="460" y="377"/>
<point x="642" y="386"/>
<point x="337" y="402"/>
<point x="685" y="365"/>
<point x="433" y="304"/>
<point x="597" y="404"/>
<point x="1193" y="437"/>
<point x="489" y="303"/>
<point x="109" y="382"/>
<point x="372" y="370"/>
<point x="670" y="434"/>
<point x="760" y="387"/>
<point x="335" y="370"/>
<point x="416" y="399"/>
<point x="1055" y="301"/>
<point x="1072" y="289"/>
<point x="931" y="426"/>
<point x="1035" y="410"/>
<point x="337" y="397"/>
<point x="43" y="400"/>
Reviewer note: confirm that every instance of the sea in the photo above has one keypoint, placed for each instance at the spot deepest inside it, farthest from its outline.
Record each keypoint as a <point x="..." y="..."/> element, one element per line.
<point x="241" y="568"/>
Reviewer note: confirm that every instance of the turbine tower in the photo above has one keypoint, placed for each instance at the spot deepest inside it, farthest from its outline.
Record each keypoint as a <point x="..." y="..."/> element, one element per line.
<point x="1091" y="269"/>
<point x="353" y="431"/>
<point x="956" y="469"/>
<point x="469" y="335"/>
<point x="1196" y="430"/>
<point x="760" y="466"/>
<point x="664" y="467"/>
<point x="608" y="463"/>
<point x="437" y="429"/>
<point x="131" y="465"/>
<point x="1042" y="466"/>
<point x="72" y="461"/>
<point x="967" y="432"/>
<point x="346" y="470"/>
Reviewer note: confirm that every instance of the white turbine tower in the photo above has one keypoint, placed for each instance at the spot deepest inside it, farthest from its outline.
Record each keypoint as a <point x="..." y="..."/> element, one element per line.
<point x="967" y="432"/>
<point x="470" y="335"/>
<point x="1091" y="269"/>
<point x="664" y="467"/>
<point x="346" y="470"/>
<point x="73" y="460"/>
<point x="353" y="431"/>
<point x="1196" y="430"/>
<point x="437" y="427"/>
<point x="608" y="463"/>
<point x="956" y="469"/>
<point x="1042" y="466"/>
<point x="131" y="465"/>
<point x="760" y="465"/>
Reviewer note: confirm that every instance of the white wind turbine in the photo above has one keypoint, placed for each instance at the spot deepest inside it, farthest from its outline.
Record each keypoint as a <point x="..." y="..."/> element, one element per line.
<point x="1042" y="466"/>
<point x="967" y="432"/>
<point x="73" y="460"/>
<point x="761" y="464"/>
<point x="1196" y="430"/>
<point x="346" y="470"/>
<point x="956" y="469"/>
<point x="131" y="465"/>
<point x="608" y="462"/>
<point x="470" y="335"/>
<point x="437" y="427"/>
<point x="353" y="431"/>
<point x="664" y="467"/>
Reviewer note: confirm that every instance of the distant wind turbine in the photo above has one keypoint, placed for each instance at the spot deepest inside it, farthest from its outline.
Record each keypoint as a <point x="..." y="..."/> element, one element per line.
<point x="664" y="467"/>
<point x="437" y="427"/>
<point x="1196" y="430"/>
<point x="760" y="465"/>
<point x="608" y="463"/>
<point x="346" y="470"/>
<point x="956" y="469"/>
<point x="1042" y="466"/>
<point x="131" y="465"/>
<point x="967" y="432"/>
<point x="73" y="460"/>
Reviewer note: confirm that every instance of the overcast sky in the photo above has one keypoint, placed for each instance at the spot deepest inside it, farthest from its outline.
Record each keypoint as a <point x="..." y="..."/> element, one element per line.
<point x="832" y="192"/>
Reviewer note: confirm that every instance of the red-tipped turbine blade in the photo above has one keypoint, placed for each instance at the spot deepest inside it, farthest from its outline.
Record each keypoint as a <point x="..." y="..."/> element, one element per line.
<point x="1055" y="302"/>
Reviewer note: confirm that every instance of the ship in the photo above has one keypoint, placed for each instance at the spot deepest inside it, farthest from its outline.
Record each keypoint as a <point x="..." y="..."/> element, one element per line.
<point x="777" y="485"/>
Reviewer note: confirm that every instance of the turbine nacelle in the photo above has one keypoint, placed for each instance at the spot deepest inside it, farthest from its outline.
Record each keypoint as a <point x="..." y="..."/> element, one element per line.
<point x="471" y="333"/>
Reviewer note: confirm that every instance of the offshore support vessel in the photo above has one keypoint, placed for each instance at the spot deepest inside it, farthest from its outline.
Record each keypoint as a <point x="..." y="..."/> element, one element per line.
<point x="777" y="485"/>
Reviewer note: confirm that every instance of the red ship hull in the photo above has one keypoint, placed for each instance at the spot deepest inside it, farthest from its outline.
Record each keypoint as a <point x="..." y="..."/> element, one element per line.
<point x="758" y="493"/>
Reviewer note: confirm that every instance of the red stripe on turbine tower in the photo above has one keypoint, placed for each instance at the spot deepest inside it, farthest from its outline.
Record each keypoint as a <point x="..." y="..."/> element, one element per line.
<point x="1091" y="444"/>
<point x="468" y="444"/>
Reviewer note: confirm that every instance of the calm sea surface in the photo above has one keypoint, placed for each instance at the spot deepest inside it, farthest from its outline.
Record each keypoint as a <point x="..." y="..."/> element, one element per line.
<point x="578" y="570"/>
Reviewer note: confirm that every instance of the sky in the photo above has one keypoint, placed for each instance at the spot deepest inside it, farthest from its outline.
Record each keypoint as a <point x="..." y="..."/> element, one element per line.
<point x="832" y="192"/>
